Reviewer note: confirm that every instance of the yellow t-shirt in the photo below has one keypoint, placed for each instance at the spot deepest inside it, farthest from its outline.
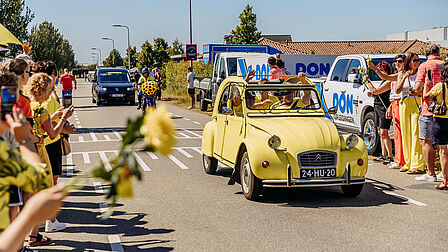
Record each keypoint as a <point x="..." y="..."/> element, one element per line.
<point x="437" y="92"/>
<point x="297" y="103"/>
<point x="273" y="98"/>
<point x="51" y="105"/>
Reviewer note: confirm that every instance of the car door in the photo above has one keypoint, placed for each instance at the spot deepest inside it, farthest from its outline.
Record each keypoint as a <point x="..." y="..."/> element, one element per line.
<point x="234" y="131"/>
<point x="221" y="122"/>
<point x="355" y="95"/>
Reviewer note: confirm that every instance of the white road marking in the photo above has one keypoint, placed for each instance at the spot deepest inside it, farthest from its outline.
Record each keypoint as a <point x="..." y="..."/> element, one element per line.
<point x="86" y="157"/>
<point x="197" y="149"/>
<point x="196" y="122"/>
<point x="152" y="155"/>
<point x="81" y="139"/>
<point x="69" y="160"/>
<point x="186" y="119"/>
<point x="117" y="134"/>
<point x="98" y="187"/>
<point x="183" y="135"/>
<point x="115" y="243"/>
<point x="192" y="133"/>
<point x="176" y="161"/>
<point x="184" y="152"/>
<point x="107" y="137"/>
<point x="105" y="160"/>
<point x="93" y="136"/>
<point x="418" y="203"/>
<point x="141" y="162"/>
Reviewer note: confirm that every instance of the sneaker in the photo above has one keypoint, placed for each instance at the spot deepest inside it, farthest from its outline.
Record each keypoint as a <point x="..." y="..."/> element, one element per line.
<point x="379" y="159"/>
<point x="388" y="161"/>
<point x="393" y="165"/>
<point x="55" y="226"/>
<point x="427" y="177"/>
<point x="191" y="107"/>
<point x="440" y="176"/>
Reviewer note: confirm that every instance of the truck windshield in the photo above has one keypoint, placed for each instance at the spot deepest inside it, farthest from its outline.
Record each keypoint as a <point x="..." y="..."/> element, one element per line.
<point x="373" y="76"/>
<point x="282" y="99"/>
<point x="232" y="67"/>
<point x="114" y="76"/>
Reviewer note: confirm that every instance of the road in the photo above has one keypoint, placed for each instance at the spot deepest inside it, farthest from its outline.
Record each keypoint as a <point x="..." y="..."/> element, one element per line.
<point x="179" y="207"/>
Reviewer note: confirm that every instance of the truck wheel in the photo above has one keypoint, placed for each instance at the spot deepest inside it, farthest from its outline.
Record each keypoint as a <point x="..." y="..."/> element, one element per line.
<point x="203" y="103"/>
<point x="250" y="184"/>
<point x="352" y="190"/>
<point x="370" y="133"/>
<point x="93" y="99"/>
<point x="210" y="164"/>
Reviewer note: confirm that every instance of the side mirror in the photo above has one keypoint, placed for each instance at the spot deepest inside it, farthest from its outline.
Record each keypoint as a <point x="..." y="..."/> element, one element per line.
<point x="227" y="111"/>
<point x="332" y="110"/>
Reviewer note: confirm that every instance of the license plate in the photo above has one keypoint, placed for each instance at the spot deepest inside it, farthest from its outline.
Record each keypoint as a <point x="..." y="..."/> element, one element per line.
<point x="318" y="173"/>
<point x="117" y="95"/>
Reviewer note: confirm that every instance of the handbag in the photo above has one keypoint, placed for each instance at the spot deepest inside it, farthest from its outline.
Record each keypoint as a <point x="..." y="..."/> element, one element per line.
<point x="438" y="109"/>
<point x="65" y="145"/>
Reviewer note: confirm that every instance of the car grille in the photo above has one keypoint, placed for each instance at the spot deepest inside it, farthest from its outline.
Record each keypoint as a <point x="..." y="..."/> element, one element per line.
<point x="317" y="159"/>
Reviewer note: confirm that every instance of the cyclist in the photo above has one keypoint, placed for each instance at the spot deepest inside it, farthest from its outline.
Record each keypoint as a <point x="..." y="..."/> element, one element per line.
<point x="145" y="78"/>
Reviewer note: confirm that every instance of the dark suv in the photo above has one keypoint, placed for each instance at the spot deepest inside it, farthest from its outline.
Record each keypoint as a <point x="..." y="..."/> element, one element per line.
<point x="112" y="84"/>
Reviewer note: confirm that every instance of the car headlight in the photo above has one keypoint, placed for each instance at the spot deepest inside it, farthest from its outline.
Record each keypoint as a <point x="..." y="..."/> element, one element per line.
<point x="104" y="89"/>
<point x="274" y="142"/>
<point x="130" y="89"/>
<point x="351" y="141"/>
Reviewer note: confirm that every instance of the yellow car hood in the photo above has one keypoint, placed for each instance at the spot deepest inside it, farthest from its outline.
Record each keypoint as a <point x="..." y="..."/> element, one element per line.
<point x="298" y="133"/>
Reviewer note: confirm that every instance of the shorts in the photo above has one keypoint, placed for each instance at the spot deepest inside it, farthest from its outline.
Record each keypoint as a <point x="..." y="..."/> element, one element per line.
<point x="55" y="154"/>
<point x="15" y="196"/>
<point x="440" y="128"/>
<point x="380" y="117"/>
<point x="67" y="93"/>
<point x="191" y="91"/>
<point x="425" y="127"/>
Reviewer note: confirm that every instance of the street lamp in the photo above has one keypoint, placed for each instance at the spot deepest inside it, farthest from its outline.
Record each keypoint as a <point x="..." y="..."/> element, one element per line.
<point x="94" y="48"/>
<point x="129" y="43"/>
<point x="97" y="57"/>
<point x="113" y="49"/>
<point x="191" y="36"/>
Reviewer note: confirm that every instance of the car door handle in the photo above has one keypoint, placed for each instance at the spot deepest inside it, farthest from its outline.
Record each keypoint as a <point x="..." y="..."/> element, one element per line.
<point x="326" y="89"/>
<point x="343" y="91"/>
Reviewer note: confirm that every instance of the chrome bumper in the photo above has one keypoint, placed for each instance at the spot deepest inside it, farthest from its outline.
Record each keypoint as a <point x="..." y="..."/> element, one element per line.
<point x="290" y="182"/>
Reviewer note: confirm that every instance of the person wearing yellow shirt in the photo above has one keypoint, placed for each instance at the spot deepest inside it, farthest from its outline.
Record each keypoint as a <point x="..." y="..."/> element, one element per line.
<point x="440" y="123"/>
<point x="145" y="78"/>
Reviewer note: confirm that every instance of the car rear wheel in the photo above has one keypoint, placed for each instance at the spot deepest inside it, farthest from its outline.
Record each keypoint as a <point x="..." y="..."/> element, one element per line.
<point x="210" y="164"/>
<point x="203" y="103"/>
<point x="370" y="133"/>
<point x="352" y="190"/>
<point x="250" y="184"/>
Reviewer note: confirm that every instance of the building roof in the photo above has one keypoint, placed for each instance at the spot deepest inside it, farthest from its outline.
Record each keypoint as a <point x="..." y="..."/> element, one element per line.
<point x="350" y="47"/>
<point x="278" y="38"/>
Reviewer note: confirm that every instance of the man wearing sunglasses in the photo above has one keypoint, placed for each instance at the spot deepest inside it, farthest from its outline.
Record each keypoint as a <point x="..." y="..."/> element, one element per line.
<point x="428" y="71"/>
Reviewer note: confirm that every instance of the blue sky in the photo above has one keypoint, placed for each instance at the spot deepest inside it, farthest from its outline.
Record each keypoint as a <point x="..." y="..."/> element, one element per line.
<point x="85" y="22"/>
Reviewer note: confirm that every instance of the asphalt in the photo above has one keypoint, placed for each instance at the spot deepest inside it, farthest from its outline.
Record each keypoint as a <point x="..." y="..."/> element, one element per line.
<point x="179" y="207"/>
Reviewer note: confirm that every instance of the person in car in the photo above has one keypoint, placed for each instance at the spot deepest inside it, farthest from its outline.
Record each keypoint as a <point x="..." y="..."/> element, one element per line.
<point x="235" y="101"/>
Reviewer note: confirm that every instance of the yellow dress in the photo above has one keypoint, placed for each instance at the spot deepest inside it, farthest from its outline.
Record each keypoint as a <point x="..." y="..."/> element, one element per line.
<point x="14" y="170"/>
<point x="40" y="115"/>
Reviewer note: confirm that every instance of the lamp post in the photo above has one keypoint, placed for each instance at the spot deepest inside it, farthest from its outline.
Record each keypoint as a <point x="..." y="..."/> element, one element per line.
<point x="94" y="48"/>
<point x="129" y="43"/>
<point x="97" y="57"/>
<point x="113" y="49"/>
<point x="191" y="35"/>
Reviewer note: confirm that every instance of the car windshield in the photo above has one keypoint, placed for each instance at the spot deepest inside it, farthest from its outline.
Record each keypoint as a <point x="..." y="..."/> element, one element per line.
<point x="114" y="76"/>
<point x="281" y="99"/>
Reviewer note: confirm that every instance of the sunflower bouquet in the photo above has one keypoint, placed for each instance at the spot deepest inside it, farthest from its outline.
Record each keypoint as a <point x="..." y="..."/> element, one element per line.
<point x="153" y="132"/>
<point x="365" y="72"/>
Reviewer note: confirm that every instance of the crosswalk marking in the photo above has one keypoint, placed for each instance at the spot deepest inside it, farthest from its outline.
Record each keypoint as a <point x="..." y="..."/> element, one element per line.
<point x="115" y="243"/>
<point x="192" y="133"/>
<point x="81" y="139"/>
<point x="103" y="207"/>
<point x="176" y="161"/>
<point x="69" y="171"/>
<point x="98" y="187"/>
<point x="196" y="122"/>
<point x="184" y="135"/>
<point x="184" y="152"/>
<point x="93" y="136"/>
<point x="152" y="155"/>
<point x="86" y="158"/>
<point x="117" y="134"/>
<point x="105" y="160"/>
<point x="197" y="149"/>
<point x="107" y="137"/>
<point x="141" y="162"/>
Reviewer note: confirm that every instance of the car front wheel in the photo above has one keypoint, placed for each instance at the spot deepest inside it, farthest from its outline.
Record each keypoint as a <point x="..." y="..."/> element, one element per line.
<point x="352" y="190"/>
<point x="250" y="184"/>
<point x="210" y="164"/>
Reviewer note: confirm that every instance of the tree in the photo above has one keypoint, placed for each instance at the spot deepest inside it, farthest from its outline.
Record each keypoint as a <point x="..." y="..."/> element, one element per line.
<point x="116" y="57"/>
<point x="133" y="51"/>
<point x="146" y="56"/>
<point x="16" y="18"/>
<point x="246" y="32"/>
<point x="49" y="44"/>
<point x="177" y="48"/>
<point x="161" y="52"/>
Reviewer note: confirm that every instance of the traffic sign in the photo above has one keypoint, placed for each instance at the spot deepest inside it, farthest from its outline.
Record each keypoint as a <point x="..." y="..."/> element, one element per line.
<point x="191" y="51"/>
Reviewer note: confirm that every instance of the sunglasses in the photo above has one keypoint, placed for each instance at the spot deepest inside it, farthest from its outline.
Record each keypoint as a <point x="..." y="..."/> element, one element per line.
<point x="416" y="60"/>
<point x="398" y="61"/>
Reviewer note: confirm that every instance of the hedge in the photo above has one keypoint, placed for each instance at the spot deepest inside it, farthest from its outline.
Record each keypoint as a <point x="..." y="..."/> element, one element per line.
<point x="176" y="75"/>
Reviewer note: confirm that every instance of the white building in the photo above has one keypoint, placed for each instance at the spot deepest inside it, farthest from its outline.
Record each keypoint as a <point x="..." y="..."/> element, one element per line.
<point x="436" y="35"/>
